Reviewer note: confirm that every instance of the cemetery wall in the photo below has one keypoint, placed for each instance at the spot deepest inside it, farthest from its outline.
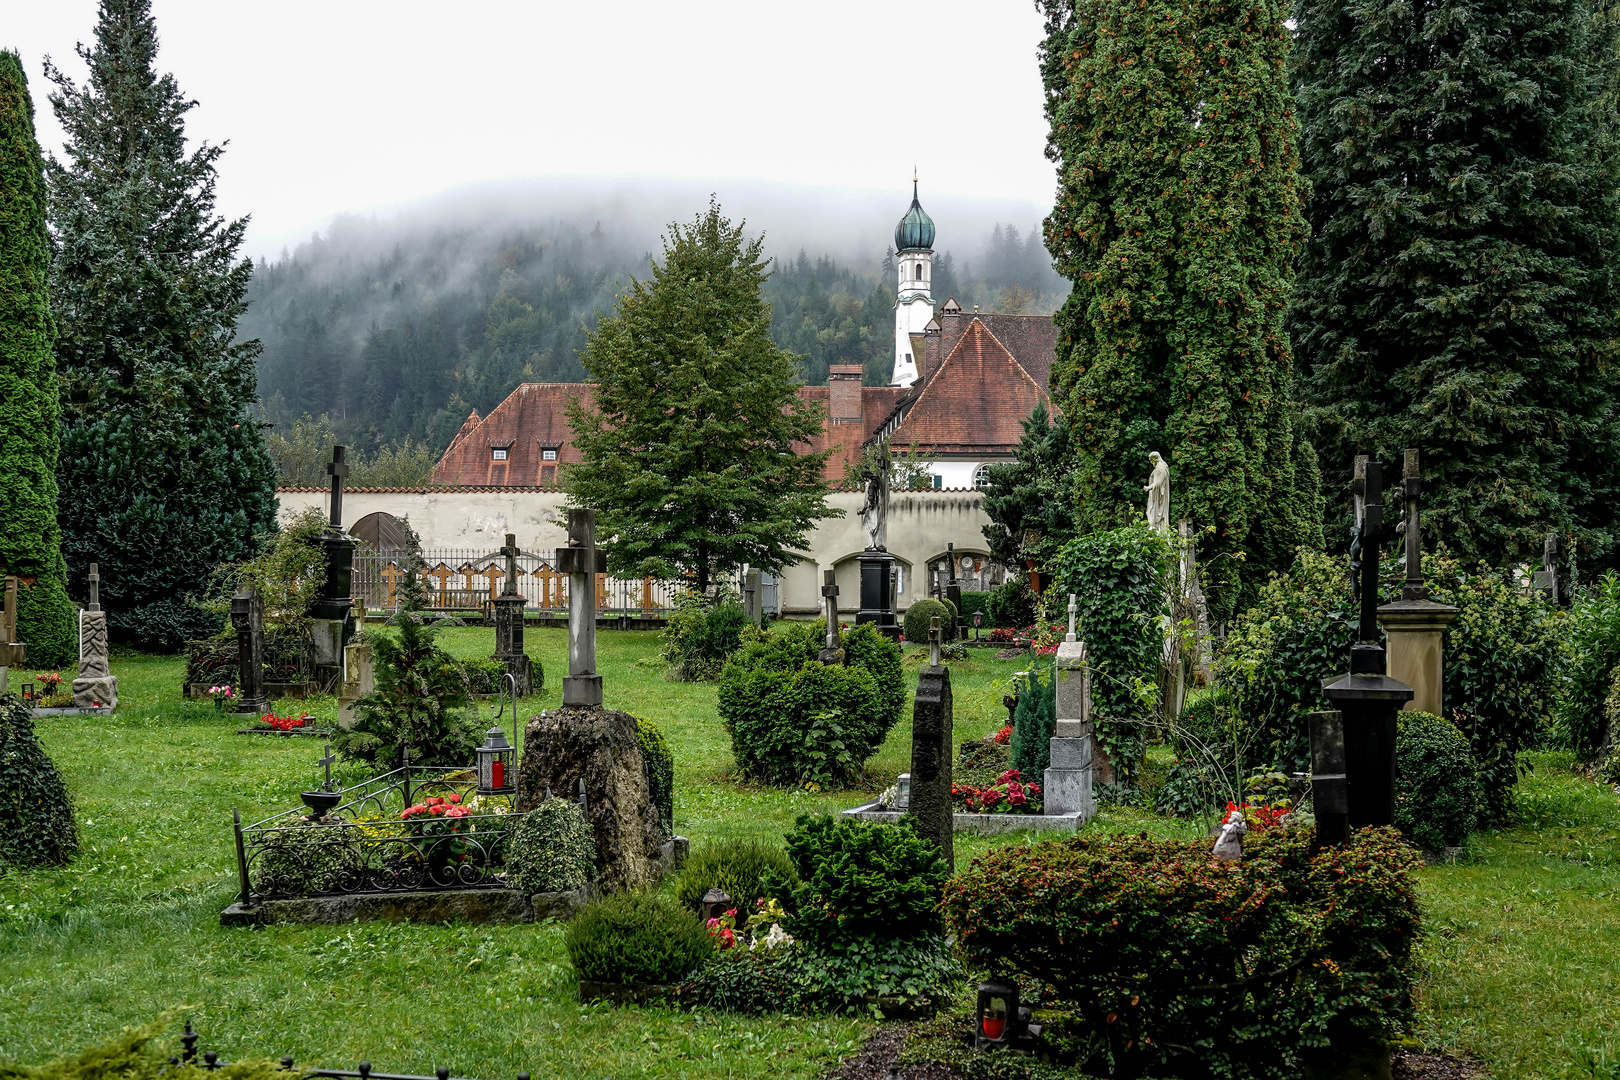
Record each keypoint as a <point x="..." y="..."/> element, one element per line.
<point x="921" y="523"/>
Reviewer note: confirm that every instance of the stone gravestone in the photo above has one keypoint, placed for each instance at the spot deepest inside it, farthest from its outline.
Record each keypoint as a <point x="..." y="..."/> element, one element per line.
<point x="96" y="686"/>
<point x="1366" y="695"/>
<point x="1414" y="625"/>
<point x="247" y="616"/>
<point x="832" y="652"/>
<point x="582" y="741"/>
<point x="1545" y="580"/>
<point x="753" y="595"/>
<point x="509" y="624"/>
<point x="1066" y="787"/>
<point x="931" y="742"/>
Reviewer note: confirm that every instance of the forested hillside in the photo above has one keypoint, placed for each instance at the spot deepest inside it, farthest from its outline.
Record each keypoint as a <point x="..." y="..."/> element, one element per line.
<point x="398" y="336"/>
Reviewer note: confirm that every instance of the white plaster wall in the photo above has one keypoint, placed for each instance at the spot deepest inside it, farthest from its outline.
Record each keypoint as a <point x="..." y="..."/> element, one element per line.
<point x="921" y="523"/>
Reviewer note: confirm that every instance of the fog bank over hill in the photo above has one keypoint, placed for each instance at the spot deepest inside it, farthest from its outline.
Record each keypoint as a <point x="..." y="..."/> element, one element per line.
<point x="399" y="322"/>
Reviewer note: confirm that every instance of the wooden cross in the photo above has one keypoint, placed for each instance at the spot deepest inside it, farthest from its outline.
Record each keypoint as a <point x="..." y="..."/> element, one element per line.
<point x="492" y="574"/>
<point x="327" y="761"/>
<point x="338" y="470"/>
<point x="441" y="574"/>
<point x="391" y="575"/>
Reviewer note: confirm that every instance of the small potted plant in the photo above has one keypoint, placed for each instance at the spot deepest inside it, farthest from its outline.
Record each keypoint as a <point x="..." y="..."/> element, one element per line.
<point x="220" y="694"/>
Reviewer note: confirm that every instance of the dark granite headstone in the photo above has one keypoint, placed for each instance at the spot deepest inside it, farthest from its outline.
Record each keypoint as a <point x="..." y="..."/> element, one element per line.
<point x="509" y="624"/>
<point x="931" y="744"/>
<point x="247" y="616"/>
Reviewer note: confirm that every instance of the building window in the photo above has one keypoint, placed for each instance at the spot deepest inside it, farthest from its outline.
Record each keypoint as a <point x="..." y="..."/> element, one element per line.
<point x="981" y="476"/>
<point x="548" y="455"/>
<point x="498" y="454"/>
<point x="939" y="481"/>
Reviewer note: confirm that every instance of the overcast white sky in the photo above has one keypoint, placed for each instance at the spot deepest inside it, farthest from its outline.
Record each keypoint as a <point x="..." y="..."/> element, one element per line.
<point x="355" y="105"/>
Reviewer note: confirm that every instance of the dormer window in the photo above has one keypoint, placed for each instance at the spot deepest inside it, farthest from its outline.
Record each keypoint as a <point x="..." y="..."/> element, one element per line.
<point x="497" y="453"/>
<point x="548" y="453"/>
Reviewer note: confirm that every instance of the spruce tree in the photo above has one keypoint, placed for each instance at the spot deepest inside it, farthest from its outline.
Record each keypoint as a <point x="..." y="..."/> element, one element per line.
<point x="163" y="470"/>
<point x="1177" y="219"/>
<point x="691" y="447"/>
<point x="1028" y="500"/>
<point x="1458" y="292"/>
<point x="30" y="541"/>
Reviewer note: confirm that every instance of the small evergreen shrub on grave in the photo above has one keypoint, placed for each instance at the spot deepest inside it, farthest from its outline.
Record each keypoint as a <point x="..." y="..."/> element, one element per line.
<point x="1120" y="580"/>
<point x="421" y="699"/>
<point x="1011" y="605"/>
<point x="636" y="937"/>
<point x="132" y="1056"/>
<point x="700" y="634"/>
<point x="306" y="861"/>
<point x="1436" y="781"/>
<point x="918" y="620"/>
<point x="794" y="720"/>
<point x="752" y="981"/>
<point x="551" y="849"/>
<point x="659" y="761"/>
<point x="1035" y="722"/>
<point x="858" y="880"/>
<point x="1593" y="642"/>
<point x="1167" y="962"/>
<point x="37" y="827"/>
<point x="747" y="870"/>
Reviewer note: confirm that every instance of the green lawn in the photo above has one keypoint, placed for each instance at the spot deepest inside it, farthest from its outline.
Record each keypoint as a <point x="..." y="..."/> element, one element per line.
<point x="1522" y="966"/>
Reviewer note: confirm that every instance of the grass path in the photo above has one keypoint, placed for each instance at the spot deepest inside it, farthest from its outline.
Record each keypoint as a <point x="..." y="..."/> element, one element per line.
<point x="1522" y="966"/>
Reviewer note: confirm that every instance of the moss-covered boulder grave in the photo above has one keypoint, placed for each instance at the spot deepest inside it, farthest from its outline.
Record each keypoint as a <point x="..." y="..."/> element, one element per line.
<point x="1159" y="961"/>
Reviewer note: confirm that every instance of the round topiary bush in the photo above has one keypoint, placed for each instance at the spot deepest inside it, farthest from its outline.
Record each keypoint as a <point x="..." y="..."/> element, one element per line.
<point x="551" y="849"/>
<point x="918" y="618"/>
<point x="739" y="867"/>
<point x="1437" y="793"/>
<point x="633" y="937"/>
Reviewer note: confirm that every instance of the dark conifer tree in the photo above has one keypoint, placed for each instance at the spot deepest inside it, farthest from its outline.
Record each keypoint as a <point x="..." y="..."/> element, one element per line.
<point x="163" y="472"/>
<point x="1178" y="219"/>
<point x="1459" y="290"/>
<point x="1029" y="501"/>
<point x="30" y="540"/>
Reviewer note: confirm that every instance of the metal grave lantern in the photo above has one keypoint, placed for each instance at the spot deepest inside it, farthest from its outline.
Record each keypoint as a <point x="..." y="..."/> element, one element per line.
<point x="902" y="792"/>
<point x="997" y="1014"/>
<point x="495" y="764"/>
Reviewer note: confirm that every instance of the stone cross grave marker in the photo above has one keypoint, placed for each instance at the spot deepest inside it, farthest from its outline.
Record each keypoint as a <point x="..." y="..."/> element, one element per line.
<point x="1074" y="610"/>
<point x="327" y="762"/>
<point x="95" y="687"/>
<point x="95" y="588"/>
<point x="1067" y="783"/>
<point x="830" y="653"/>
<point x="931" y="743"/>
<point x="509" y="624"/>
<point x="1414" y="626"/>
<point x="581" y="561"/>
<point x="510" y="550"/>
<point x="1545" y="580"/>
<point x="338" y="470"/>
<point x="1412" y="487"/>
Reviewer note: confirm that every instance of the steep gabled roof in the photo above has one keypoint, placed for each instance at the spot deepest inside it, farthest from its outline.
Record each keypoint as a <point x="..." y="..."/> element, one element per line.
<point x="975" y="399"/>
<point x="533" y="418"/>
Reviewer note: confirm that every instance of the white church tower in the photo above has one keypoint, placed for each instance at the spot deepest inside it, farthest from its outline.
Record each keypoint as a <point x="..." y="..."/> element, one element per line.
<point x="914" y="305"/>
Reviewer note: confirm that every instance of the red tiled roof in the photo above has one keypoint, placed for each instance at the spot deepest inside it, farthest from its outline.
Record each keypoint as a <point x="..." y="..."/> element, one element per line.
<point x="975" y="399"/>
<point x="1031" y="339"/>
<point x="533" y="418"/>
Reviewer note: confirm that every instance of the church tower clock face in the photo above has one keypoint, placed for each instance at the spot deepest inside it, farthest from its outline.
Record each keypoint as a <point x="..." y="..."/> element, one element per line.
<point x="914" y="300"/>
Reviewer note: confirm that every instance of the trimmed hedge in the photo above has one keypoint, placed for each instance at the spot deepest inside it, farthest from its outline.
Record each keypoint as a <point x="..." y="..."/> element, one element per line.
<point x="744" y="869"/>
<point x="551" y="849"/>
<point x="700" y="635"/>
<point x="659" y="761"/>
<point x="1436" y="781"/>
<point x="793" y="720"/>
<point x="36" y="812"/>
<point x="1171" y="963"/>
<point x="633" y="937"/>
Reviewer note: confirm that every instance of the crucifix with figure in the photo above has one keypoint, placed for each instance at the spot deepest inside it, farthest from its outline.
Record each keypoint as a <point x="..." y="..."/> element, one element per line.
<point x="509" y="624"/>
<point x="334" y="601"/>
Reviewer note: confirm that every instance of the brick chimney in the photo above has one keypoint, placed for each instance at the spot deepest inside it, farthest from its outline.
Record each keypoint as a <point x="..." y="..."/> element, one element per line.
<point x="844" y="394"/>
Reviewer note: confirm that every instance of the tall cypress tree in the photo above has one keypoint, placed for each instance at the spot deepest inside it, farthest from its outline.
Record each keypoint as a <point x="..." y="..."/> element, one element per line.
<point x="164" y="473"/>
<point x="1459" y="293"/>
<point x="30" y="541"/>
<point x="1177" y="219"/>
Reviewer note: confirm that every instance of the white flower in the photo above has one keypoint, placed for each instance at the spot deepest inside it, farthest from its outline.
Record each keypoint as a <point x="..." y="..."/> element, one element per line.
<point x="773" y="937"/>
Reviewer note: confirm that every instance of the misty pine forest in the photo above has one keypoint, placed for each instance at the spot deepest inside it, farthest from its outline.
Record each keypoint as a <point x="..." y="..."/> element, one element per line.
<point x="395" y="335"/>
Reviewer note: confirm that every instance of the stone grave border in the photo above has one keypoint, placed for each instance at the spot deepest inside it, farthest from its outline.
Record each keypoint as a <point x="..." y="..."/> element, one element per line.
<point x="986" y="824"/>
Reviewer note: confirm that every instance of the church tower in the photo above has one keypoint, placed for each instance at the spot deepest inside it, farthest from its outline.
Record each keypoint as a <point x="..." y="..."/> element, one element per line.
<point x="914" y="304"/>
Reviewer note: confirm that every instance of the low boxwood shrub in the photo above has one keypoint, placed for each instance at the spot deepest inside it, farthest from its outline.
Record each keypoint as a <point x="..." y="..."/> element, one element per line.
<point x="659" y="761"/>
<point x="551" y="849"/>
<point x="859" y="880"/>
<point x="37" y="827"/>
<point x="700" y="634"/>
<point x="919" y="619"/>
<point x="1168" y="962"/>
<point x="793" y="720"/>
<point x="636" y="937"/>
<point x="747" y="870"/>
<point x="1436" y="781"/>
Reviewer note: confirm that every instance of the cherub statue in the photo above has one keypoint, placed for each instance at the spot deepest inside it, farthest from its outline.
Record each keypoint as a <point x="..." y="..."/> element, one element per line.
<point x="1229" y="845"/>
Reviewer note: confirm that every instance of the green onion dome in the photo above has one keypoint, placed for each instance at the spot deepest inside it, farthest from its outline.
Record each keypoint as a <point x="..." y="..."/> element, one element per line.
<point x="916" y="229"/>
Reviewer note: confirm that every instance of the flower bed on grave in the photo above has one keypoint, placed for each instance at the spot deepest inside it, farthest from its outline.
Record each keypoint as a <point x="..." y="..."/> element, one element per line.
<point x="415" y="828"/>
